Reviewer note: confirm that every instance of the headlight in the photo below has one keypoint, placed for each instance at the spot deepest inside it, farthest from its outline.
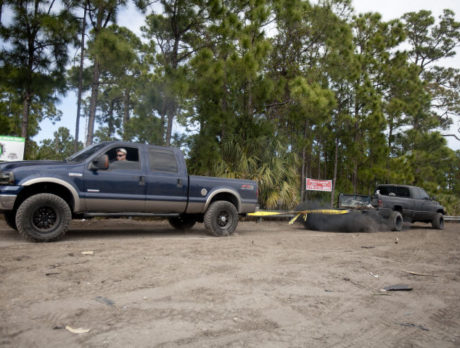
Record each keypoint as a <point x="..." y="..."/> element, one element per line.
<point x="6" y="178"/>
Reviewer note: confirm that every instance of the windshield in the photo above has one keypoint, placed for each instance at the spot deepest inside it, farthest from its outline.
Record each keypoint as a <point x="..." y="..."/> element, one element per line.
<point x="85" y="153"/>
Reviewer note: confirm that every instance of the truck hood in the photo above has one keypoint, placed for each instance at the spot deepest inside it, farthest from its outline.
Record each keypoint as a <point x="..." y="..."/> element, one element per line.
<point x="39" y="164"/>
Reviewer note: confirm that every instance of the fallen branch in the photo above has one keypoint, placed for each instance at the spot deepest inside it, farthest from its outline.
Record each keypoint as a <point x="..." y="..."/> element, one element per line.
<point x="420" y="274"/>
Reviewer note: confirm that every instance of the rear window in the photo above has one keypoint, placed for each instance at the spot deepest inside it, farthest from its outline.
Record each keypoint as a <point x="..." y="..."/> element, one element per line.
<point x="162" y="160"/>
<point x="398" y="191"/>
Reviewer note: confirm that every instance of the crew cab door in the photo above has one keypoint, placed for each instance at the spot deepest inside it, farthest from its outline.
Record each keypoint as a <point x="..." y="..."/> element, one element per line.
<point x="167" y="183"/>
<point x="426" y="208"/>
<point x="120" y="188"/>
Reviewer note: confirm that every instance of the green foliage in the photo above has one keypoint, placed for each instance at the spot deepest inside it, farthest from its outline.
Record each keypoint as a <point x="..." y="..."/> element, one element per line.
<point x="33" y="61"/>
<point x="272" y="90"/>
<point x="59" y="148"/>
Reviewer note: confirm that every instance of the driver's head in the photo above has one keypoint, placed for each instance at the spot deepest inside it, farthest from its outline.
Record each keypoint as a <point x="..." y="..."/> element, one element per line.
<point x="121" y="154"/>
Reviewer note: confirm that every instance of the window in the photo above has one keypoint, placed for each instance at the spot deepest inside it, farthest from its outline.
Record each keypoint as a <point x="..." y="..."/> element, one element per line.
<point x="85" y="153"/>
<point x="420" y="193"/>
<point x="402" y="192"/>
<point x="162" y="160"/>
<point x="394" y="191"/>
<point x="129" y="161"/>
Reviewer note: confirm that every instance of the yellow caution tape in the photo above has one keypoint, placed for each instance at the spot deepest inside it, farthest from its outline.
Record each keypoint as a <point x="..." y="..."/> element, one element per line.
<point x="266" y="213"/>
<point x="298" y="213"/>
<point x="295" y="218"/>
<point x="316" y="211"/>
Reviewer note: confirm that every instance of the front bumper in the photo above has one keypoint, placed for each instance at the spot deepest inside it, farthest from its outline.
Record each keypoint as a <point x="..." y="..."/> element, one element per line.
<point x="8" y="196"/>
<point x="7" y="202"/>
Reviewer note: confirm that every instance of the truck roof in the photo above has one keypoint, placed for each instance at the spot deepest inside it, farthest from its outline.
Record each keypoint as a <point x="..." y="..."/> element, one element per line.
<point x="395" y="185"/>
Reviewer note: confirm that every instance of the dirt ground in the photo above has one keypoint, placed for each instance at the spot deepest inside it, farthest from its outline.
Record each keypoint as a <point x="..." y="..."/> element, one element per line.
<point x="142" y="284"/>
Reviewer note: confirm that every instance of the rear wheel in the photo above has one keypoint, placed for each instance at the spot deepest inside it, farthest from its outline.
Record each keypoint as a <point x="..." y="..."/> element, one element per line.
<point x="438" y="221"/>
<point x="396" y="221"/>
<point x="43" y="217"/>
<point x="221" y="218"/>
<point x="182" y="222"/>
<point x="10" y="219"/>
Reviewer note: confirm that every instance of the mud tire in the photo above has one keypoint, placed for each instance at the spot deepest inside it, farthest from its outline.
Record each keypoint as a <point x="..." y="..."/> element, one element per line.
<point x="10" y="219"/>
<point x="182" y="222"/>
<point x="43" y="217"/>
<point x="396" y="221"/>
<point x="438" y="221"/>
<point x="221" y="218"/>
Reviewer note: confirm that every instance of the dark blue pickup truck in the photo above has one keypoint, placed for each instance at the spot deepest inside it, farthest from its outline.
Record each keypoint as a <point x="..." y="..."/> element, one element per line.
<point x="39" y="198"/>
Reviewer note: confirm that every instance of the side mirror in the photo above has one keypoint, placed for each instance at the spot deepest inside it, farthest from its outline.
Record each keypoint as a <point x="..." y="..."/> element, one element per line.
<point x="101" y="162"/>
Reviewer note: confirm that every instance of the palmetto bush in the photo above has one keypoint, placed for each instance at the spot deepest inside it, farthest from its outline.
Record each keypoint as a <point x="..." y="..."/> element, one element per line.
<point x="266" y="161"/>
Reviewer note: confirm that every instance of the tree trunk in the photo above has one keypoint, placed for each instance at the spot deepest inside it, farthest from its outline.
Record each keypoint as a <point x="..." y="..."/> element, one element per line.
<point x="110" y="126"/>
<point x="334" y="179"/>
<point x="80" y="79"/>
<point x="303" y="178"/>
<point x="319" y="159"/>
<point x="93" y="102"/>
<point x="355" y="176"/>
<point x="25" y="120"/>
<point x="126" y="100"/>
<point x="169" y="129"/>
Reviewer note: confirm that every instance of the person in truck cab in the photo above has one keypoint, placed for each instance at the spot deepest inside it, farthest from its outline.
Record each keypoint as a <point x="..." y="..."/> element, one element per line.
<point x="123" y="161"/>
<point x="121" y="154"/>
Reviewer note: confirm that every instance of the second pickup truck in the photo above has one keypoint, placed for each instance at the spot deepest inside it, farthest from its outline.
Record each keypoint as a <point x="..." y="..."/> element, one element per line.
<point x="39" y="198"/>
<point x="398" y="203"/>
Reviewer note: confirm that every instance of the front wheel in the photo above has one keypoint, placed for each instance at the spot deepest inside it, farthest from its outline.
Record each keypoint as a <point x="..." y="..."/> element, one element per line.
<point x="438" y="221"/>
<point x="182" y="222"/>
<point x="221" y="218"/>
<point x="10" y="219"/>
<point x="43" y="217"/>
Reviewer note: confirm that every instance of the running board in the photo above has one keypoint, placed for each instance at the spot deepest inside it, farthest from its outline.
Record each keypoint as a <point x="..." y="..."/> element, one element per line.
<point x="129" y="215"/>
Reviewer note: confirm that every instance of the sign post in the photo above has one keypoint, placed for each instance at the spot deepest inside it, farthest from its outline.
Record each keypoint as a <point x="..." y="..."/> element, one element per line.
<point x="11" y="148"/>
<point x="319" y="185"/>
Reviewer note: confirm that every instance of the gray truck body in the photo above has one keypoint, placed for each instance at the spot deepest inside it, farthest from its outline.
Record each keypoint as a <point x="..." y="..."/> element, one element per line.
<point x="412" y="202"/>
<point x="398" y="203"/>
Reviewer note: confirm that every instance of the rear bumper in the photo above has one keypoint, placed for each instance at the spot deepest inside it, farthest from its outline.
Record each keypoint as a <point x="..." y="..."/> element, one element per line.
<point x="248" y="207"/>
<point x="384" y="212"/>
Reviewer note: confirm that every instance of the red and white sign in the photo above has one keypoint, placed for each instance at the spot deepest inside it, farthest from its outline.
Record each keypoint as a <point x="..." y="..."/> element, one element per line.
<point x="319" y="185"/>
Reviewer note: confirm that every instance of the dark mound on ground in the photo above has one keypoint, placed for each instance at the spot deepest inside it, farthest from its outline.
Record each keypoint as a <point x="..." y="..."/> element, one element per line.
<point x="354" y="221"/>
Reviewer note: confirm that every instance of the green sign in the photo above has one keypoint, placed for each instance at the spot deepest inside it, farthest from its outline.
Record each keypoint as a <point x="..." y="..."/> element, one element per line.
<point x="11" y="148"/>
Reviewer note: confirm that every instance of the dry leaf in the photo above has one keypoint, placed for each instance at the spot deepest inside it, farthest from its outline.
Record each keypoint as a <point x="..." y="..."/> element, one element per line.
<point x="76" y="331"/>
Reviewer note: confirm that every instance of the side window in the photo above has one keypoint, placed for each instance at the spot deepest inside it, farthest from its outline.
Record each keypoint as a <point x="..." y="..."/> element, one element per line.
<point x="162" y="160"/>
<point x="403" y="192"/>
<point x="123" y="158"/>
<point x="423" y="194"/>
<point x="387" y="190"/>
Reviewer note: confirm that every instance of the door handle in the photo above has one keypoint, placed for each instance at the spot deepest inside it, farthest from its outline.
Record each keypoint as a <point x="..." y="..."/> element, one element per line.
<point x="141" y="181"/>
<point x="179" y="182"/>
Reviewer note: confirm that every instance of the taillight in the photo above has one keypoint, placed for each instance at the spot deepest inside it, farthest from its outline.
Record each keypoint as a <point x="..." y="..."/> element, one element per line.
<point x="380" y="203"/>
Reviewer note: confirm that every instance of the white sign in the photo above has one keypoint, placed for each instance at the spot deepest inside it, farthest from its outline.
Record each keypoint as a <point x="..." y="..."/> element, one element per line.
<point x="11" y="148"/>
<point x="319" y="185"/>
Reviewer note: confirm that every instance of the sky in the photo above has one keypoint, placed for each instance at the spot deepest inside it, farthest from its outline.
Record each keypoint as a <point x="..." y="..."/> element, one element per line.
<point x="389" y="9"/>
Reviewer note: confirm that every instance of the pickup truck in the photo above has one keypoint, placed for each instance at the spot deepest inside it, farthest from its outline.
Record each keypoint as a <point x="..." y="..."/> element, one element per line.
<point x="408" y="203"/>
<point x="39" y="198"/>
<point x="396" y="204"/>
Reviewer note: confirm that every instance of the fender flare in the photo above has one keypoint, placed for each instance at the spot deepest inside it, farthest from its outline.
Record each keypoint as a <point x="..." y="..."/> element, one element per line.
<point x="58" y="181"/>
<point x="223" y="190"/>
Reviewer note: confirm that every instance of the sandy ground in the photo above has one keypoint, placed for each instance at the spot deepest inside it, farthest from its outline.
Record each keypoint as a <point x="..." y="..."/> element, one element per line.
<point x="141" y="284"/>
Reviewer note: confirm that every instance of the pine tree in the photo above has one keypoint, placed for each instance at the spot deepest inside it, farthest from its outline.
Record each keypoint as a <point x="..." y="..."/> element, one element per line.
<point x="34" y="59"/>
